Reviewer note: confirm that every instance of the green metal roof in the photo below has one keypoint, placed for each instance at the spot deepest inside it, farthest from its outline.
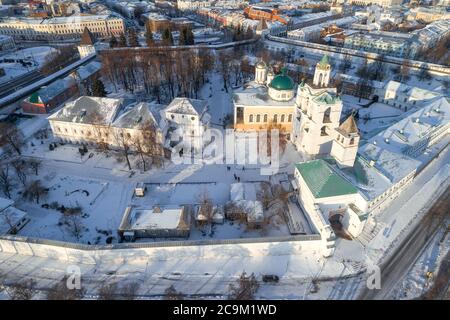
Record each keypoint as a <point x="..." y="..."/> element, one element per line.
<point x="324" y="61"/>
<point x="282" y="82"/>
<point x="326" y="98"/>
<point x="323" y="181"/>
<point x="34" y="98"/>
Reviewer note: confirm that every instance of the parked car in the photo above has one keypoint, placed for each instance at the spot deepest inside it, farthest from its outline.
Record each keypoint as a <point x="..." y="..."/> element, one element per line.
<point x="270" y="278"/>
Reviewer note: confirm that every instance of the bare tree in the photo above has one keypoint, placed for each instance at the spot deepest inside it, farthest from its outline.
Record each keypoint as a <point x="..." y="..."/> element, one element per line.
<point x="346" y="63"/>
<point x="59" y="59"/>
<point x="60" y="291"/>
<point x="363" y="88"/>
<point x="378" y="72"/>
<point x="123" y="141"/>
<point x="424" y="74"/>
<point x="73" y="224"/>
<point x="35" y="191"/>
<point x="24" y="290"/>
<point x="108" y="291"/>
<point x="172" y="294"/>
<point x="206" y="207"/>
<point x="11" y="137"/>
<point x="5" y="180"/>
<point x="34" y="164"/>
<point x="100" y="131"/>
<point x="147" y="144"/>
<point x="20" y="168"/>
<point x="245" y="288"/>
<point x="130" y="290"/>
<point x="363" y="70"/>
<point x="224" y="68"/>
<point x="280" y="193"/>
<point x="273" y="127"/>
<point x="338" y="84"/>
<point x="404" y="71"/>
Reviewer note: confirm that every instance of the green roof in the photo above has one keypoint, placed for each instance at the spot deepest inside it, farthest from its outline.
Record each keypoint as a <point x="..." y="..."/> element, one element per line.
<point x="324" y="61"/>
<point x="323" y="181"/>
<point x="327" y="98"/>
<point x="34" y="98"/>
<point x="282" y="82"/>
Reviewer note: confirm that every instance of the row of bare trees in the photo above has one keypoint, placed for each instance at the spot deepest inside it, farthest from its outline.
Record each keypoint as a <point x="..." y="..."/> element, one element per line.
<point x="59" y="59"/>
<point x="158" y="73"/>
<point x="19" y="171"/>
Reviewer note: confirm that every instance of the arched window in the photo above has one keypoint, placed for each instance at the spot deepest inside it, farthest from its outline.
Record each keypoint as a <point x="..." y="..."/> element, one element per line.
<point x="320" y="79"/>
<point x="258" y="118"/>
<point x="275" y="118"/>
<point x="323" y="131"/>
<point x="250" y="118"/>
<point x="265" y="118"/>
<point x="282" y="118"/>
<point x="326" y="115"/>
<point x="290" y="117"/>
<point x="352" y="141"/>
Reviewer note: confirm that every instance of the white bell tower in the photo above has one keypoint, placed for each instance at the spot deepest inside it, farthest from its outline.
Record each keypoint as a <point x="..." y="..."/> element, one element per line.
<point x="345" y="143"/>
<point x="322" y="73"/>
<point x="261" y="73"/>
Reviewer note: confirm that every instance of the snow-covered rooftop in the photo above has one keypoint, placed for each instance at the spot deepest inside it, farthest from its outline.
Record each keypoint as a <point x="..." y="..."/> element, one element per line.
<point x="168" y="217"/>
<point x="415" y="126"/>
<point x="392" y="164"/>
<point x="137" y="116"/>
<point x="414" y="93"/>
<point x="388" y="147"/>
<point x="187" y="106"/>
<point x="86" y="71"/>
<point x="45" y="94"/>
<point x="258" y="96"/>
<point x="57" y="20"/>
<point x="89" y="110"/>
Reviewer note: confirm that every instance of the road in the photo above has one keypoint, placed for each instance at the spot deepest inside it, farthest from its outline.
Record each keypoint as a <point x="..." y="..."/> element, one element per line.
<point x="20" y="82"/>
<point x="393" y="270"/>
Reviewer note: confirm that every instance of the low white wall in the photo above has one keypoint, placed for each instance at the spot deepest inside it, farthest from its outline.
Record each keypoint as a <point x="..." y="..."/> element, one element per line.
<point x="130" y="253"/>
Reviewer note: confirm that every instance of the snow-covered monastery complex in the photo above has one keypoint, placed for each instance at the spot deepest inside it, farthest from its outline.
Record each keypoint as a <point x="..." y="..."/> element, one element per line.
<point x="351" y="181"/>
